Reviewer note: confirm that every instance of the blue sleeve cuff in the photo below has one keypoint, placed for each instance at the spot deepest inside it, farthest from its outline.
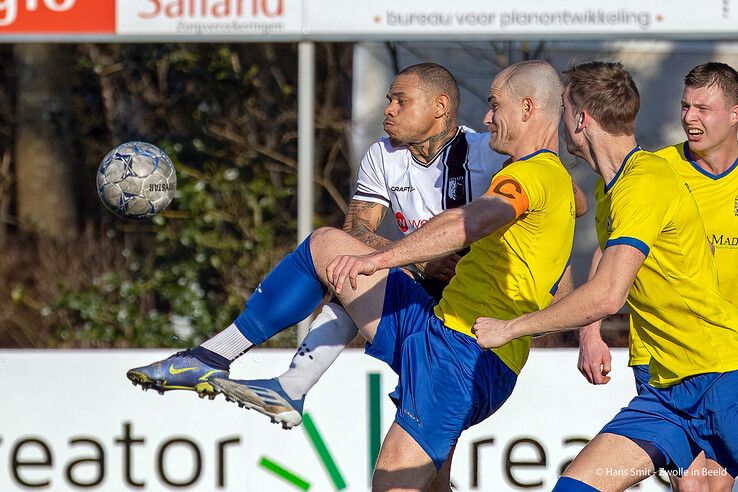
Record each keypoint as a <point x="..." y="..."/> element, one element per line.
<point x="630" y="241"/>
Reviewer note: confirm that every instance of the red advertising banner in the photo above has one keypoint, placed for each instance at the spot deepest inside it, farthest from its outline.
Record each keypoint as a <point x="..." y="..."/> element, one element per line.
<point x="57" y="16"/>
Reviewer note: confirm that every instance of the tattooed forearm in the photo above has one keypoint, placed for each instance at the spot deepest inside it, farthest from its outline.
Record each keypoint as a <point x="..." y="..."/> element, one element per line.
<point x="362" y="221"/>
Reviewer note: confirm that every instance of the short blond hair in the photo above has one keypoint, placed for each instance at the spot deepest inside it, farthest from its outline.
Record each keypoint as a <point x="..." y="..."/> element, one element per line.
<point x="608" y="92"/>
<point x="718" y="74"/>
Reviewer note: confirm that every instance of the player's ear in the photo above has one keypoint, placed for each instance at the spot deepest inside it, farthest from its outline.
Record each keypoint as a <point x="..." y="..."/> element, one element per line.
<point x="442" y="105"/>
<point x="582" y="120"/>
<point x="527" y="106"/>
<point x="734" y="115"/>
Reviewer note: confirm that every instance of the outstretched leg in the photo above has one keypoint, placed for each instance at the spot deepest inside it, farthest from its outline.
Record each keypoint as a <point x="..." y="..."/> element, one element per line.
<point x="364" y="304"/>
<point x="291" y="291"/>
<point x="282" y="399"/>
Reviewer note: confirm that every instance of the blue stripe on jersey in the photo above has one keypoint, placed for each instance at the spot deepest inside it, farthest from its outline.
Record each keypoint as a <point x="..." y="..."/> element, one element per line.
<point x="630" y="241"/>
<point x="703" y="171"/>
<point x="609" y="185"/>
<point x="525" y="158"/>
<point x="558" y="280"/>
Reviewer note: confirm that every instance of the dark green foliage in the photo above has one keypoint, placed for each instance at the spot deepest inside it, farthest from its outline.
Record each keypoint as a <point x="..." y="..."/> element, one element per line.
<point x="226" y="114"/>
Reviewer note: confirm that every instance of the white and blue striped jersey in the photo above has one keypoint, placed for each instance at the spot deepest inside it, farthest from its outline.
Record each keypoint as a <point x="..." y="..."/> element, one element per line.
<point x="460" y="172"/>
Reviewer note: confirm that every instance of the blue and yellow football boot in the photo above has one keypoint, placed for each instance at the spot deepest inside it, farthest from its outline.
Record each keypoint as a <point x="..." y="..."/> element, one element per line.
<point x="265" y="396"/>
<point x="181" y="371"/>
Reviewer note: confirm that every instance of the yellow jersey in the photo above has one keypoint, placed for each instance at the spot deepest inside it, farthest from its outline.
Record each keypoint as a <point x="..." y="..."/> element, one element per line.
<point x="686" y="325"/>
<point x="717" y="199"/>
<point x="515" y="270"/>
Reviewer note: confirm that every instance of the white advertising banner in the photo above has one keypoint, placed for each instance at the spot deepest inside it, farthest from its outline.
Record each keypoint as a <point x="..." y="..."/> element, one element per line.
<point x="261" y="19"/>
<point x="70" y="420"/>
<point x="265" y="20"/>
<point x="505" y="18"/>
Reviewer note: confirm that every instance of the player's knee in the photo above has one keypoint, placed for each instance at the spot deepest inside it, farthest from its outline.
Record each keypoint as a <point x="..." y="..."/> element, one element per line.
<point x="322" y="234"/>
<point x="721" y="483"/>
<point x="321" y="238"/>
<point x="691" y="483"/>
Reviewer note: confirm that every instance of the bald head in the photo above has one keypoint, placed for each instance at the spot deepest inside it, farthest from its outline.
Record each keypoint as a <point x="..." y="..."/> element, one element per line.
<point x="539" y="81"/>
<point x="525" y="109"/>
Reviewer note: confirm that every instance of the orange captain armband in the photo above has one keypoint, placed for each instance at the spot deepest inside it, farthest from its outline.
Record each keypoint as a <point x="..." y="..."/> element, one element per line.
<point x="510" y="190"/>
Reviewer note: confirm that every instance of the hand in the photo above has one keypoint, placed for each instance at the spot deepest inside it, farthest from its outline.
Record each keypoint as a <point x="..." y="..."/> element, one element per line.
<point x="491" y="332"/>
<point x="443" y="268"/>
<point x="349" y="267"/>
<point x="594" y="360"/>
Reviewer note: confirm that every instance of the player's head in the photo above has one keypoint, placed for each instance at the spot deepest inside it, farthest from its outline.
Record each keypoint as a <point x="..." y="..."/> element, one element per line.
<point x="423" y="100"/>
<point x="710" y="106"/>
<point x="524" y="99"/>
<point x="602" y="94"/>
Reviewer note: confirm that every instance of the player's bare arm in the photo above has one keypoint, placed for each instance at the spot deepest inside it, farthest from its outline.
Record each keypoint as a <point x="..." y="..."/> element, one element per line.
<point x="601" y="296"/>
<point x="362" y="221"/>
<point x="594" y="355"/>
<point x="444" y="234"/>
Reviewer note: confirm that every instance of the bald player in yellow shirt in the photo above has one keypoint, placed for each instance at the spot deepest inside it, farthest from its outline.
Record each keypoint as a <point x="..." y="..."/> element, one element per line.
<point x="447" y="382"/>
<point x="657" y="259"/>
<point x="706" y="161"/>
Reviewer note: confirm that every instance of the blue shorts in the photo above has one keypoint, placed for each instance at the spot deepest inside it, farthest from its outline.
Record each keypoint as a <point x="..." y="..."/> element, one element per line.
<point x="700" y="413"/>
<point x="447" y="382"/>
<point x="641" y="375"/>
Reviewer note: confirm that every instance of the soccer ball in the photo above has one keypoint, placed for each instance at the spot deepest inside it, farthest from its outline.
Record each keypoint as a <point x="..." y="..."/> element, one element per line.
<point x="136" y="180"/>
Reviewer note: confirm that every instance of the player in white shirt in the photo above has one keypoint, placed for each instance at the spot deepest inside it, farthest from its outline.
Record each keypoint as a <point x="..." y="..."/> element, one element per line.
<point x="394" y="178"/>
<point x="415" y="186"/>
<point x="416" y="182"/>
<point x="427" y="164"/>
<point x="417" y="190"/>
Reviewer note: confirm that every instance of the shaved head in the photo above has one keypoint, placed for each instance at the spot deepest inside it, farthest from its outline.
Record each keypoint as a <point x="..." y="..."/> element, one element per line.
<point x="435" y="80"/>
<point x="525" y="109"/>
<point x="539" y="81"/>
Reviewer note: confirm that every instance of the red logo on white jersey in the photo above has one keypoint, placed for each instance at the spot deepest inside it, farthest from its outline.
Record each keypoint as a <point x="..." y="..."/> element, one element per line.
<point x="401" y="221"/>
<point x="406" y="224"/>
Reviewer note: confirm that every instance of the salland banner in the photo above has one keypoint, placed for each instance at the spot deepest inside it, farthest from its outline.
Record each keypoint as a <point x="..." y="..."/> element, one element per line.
<point x="248" y="18"/>
<point x="57" y="16"/>
<point x="501" y="18"/>
<point x="72" y="421"/>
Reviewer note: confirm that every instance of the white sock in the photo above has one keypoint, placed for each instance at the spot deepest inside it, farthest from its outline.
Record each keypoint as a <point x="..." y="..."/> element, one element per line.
<point x="329" y="334"/>
<point x="229" y="343"/>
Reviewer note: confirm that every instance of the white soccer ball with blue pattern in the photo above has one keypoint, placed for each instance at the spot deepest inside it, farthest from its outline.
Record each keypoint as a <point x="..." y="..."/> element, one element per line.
<point x="136" y="180"/>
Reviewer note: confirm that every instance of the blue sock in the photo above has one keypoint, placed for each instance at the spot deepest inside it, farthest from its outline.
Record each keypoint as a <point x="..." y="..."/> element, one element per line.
<point x="288" y="295"/>
<point x="568" y="484"/>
